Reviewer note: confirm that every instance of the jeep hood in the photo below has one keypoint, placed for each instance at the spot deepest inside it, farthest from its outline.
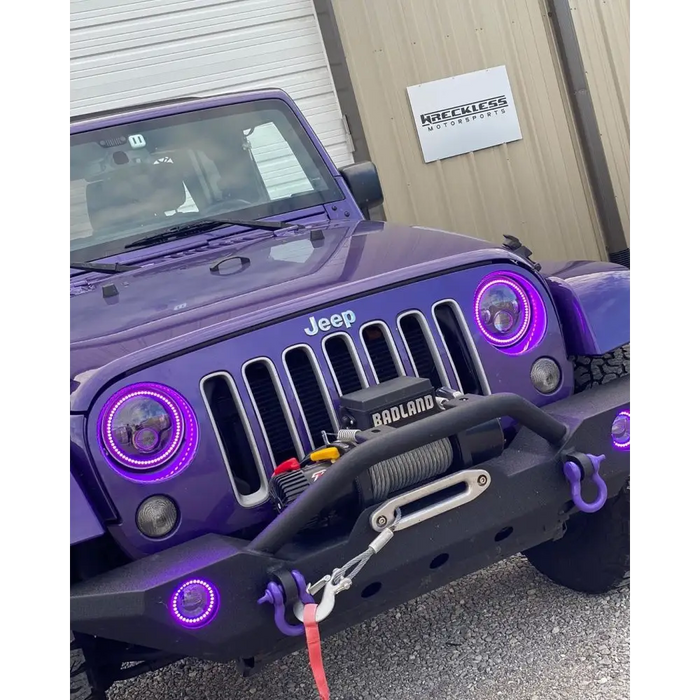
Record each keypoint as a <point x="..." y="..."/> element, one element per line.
<point x="259" y="277"/>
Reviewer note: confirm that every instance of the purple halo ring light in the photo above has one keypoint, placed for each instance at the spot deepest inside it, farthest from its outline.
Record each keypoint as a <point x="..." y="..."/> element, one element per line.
<point x="195" y="603"/>
<point x="148" y="432"/>
<point x="620" y="431"/>
<point x="510" y="313"/>
<point x="134" y="414"/>
<point x="505" y="320"/>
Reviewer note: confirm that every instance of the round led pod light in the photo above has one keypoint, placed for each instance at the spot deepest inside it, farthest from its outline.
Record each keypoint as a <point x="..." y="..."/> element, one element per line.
<point x="510" y="312"/>
<point x="148" y="432"/>
<point x="620" y="431"/>
<point x="195" y="603"/>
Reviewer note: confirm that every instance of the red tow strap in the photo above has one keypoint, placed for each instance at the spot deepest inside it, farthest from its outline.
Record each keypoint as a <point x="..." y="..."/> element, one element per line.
<point x="313" y="643"/>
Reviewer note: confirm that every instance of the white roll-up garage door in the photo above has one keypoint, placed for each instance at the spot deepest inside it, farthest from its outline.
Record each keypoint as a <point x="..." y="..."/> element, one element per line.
<point x="132" y="51"/>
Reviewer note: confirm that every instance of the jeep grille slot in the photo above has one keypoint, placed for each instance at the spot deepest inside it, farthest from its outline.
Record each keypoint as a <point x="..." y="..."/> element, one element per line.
<point x="235" y="439"/>
<point x="381" y="351"/>
<point x="421" y="347"/>
<point x="344" y="363"/>
<point x="459" y="344"/>
<point x="311" y="392"/>
<point x="272" y="409"/>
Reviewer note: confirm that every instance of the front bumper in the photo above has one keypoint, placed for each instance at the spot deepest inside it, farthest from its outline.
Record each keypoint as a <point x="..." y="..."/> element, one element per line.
<point x="526" y="504"/>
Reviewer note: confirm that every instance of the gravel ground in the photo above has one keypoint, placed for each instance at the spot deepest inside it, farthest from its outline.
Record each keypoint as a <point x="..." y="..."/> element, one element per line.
<point x="505" y="632"/>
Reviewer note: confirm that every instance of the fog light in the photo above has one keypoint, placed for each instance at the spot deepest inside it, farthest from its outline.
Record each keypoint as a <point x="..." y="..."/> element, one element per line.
<point x="157" y="516"/>
<point x="620" y="431"/>
<point x="195" y="603"/>
<point x="545" y="375"/>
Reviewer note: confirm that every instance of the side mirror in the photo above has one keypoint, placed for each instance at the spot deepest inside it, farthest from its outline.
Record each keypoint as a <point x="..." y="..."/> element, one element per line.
<point x="363" y="181"/>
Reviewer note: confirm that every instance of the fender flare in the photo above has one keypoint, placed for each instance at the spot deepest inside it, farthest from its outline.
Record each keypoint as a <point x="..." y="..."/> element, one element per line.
<point x="593" y="302"/>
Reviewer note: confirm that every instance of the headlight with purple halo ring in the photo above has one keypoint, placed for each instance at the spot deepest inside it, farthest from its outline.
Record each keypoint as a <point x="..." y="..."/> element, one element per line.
<point x="147" y="432"/>
<point x="510" y="312"/>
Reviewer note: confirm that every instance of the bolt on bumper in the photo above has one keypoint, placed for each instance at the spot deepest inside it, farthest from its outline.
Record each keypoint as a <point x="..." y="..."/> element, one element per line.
<point x="527" y="501"/>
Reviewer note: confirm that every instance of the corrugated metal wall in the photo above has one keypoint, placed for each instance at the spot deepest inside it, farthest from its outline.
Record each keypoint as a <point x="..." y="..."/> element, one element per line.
<point x="631" y="125"/>
<point x="603" y="29"/>
<point x="536" y="188"/>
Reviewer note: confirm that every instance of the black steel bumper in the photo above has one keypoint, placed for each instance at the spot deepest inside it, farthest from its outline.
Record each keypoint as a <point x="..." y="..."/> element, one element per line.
<point x="526" y="503"/>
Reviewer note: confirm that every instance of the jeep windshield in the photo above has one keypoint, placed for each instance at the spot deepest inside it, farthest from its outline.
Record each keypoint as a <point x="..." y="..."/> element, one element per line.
<point x="239" y="162"/>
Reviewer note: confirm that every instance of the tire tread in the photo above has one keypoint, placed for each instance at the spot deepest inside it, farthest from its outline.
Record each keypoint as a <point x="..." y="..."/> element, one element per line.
<point x="81" y="687"/>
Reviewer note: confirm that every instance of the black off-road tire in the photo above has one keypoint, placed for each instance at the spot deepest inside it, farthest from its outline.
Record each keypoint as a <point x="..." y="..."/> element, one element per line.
<point x="82" y="686"/>
<point x="590" y="371"/>
<point x="593" y="556"/>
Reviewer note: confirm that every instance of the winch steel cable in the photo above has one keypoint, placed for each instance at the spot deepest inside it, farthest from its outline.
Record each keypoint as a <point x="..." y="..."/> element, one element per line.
<point x="410" y="468"/>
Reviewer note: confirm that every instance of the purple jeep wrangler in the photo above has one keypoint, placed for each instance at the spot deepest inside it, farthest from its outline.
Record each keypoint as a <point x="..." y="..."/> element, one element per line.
<point x="277" y="403"/>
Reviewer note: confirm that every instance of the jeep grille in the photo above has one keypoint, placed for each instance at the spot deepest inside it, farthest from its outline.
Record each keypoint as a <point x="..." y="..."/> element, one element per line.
<point x="293" y="404"/>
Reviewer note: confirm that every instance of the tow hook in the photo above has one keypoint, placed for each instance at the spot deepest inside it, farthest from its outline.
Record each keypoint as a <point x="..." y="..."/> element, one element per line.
<point x="577" y="467"/>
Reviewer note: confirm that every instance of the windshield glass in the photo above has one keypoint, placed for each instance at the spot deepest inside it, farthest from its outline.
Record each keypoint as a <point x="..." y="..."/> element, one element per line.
<point x="249" y="161"/>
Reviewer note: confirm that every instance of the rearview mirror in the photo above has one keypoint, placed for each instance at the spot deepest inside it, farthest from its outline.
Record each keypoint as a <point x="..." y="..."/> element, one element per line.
<point x="363" y="181"/>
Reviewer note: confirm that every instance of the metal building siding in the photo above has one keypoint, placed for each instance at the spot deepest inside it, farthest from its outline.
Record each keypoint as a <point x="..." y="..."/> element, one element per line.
<point x="536" y="188"/>
<point x="631" y="124"/>
<point x="603" y="30"/>
<point x="126" y="52"/>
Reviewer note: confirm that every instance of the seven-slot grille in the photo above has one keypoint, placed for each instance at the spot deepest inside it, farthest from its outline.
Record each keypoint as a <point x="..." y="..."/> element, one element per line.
<point x="295" y="400"/>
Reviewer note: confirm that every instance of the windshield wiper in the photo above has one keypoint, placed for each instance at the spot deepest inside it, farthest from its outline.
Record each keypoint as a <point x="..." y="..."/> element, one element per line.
<point x="201" y="226"/>
<point x="266" y="225"/>
<point x="102" y="267"/>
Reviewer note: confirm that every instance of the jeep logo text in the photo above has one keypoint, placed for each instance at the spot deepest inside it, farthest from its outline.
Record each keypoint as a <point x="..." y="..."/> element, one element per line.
<point x="403" y="411"/>
<point x="343" y="319"/>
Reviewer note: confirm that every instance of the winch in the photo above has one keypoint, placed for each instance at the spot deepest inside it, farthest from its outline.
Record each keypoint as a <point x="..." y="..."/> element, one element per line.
<point x="393" y="404"/>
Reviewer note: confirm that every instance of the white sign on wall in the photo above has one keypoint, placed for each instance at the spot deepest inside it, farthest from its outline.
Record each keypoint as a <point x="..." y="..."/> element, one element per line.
<point x="464" y="113"/>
